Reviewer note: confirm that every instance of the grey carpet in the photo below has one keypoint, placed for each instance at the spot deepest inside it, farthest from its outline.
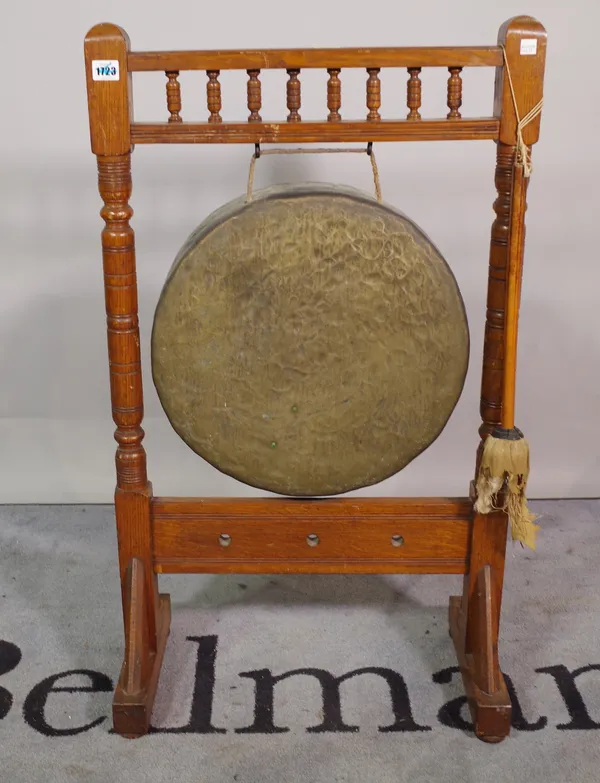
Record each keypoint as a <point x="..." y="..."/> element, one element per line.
<point x="60" y="611"/>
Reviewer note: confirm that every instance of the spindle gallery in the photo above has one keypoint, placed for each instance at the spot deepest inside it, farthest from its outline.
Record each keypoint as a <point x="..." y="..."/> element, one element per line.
<point x="276" y="363"/>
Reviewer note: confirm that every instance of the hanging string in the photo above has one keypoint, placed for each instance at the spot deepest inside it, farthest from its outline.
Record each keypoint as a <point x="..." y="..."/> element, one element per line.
<point x="259" y="153"/>
<point x="523" y="151"/>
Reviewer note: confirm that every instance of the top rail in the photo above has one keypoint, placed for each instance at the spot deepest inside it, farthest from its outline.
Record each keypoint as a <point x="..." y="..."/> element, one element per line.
<point x="378" y="57"/>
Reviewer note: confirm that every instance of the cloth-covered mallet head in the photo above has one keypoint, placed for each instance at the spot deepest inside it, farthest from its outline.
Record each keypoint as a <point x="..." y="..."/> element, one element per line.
<point x="502" y="481"/>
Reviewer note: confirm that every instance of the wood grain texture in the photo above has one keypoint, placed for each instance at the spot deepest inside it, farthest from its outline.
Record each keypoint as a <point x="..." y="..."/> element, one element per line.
<point x="146" y="618"/>
<point x="134" y="535"/>
<point x="493" y="348"/>
<point x="308" y="131"/>
<point x="137" y="641"/>
<point x="254" y="96"/>
<point x="527" y="72"/>
<point x="109" y="102"/>
<point x="380" y="57"/>
<point x="507" y="245"/>
<point x="413" y="94"/>
<point x="173" y="96"/>
<point x="120" y="287"/>
<point x="513" y="291"/>
<point x="213" y="96"/>
<point x="290" y="508"/>
<point x="490" y="712"/>
<point x="293" y="95"/>
<point x="271" y="535"/>
<point x="488" y="547"/>
<point x="486" y="671"/>
<point x="132" y="710"/>
<point x="474" y="627"/>
<point x="334" y="95"/>
<point x="454" y="93"/>
<point x="373" y="95"/>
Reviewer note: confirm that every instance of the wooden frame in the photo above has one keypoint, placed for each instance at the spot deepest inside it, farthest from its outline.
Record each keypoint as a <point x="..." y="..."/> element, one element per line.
<point x="177" y="535"/>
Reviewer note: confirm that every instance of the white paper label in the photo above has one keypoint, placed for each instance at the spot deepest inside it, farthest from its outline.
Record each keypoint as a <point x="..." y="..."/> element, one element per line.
<point x="528" y="45"/>
<point x="105" y="70"/>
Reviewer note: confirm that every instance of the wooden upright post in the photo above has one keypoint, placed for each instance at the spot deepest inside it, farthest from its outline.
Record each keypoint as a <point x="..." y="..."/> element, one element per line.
<point x="146" y="616"/>
<point x="475" y="619"/>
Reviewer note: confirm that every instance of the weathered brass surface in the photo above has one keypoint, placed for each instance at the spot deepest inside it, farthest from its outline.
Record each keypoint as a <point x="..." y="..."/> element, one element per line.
<point x="309" y="342"/>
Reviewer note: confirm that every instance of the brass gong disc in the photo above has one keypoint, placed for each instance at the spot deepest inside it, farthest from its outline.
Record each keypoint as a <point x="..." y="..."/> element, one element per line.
<point x="309" y="342"/>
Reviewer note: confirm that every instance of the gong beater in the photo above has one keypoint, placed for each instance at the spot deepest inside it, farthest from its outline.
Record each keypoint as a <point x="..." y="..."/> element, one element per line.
<point x="309" y="341"/>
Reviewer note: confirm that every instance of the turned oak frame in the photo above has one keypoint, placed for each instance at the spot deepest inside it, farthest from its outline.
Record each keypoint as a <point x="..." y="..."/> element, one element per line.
<point x="177" y="535"/>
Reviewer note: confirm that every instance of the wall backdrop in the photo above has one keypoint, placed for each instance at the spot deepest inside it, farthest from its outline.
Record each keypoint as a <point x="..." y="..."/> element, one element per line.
<point x="56" y="440"/>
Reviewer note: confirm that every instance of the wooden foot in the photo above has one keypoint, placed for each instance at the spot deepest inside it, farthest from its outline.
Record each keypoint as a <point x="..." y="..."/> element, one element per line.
<point x="136" y="689"/>
<point x="484" y="684"/>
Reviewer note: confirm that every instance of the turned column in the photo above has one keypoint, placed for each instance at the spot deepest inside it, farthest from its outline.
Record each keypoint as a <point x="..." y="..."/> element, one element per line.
<point x="493" y="347"/>
<point x="524" y="42"/>
<point x="110" y="123"/>
<point x="120" y="286"/>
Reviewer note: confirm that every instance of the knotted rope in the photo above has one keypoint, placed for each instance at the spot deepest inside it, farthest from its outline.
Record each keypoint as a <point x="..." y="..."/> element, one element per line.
<point x="523" y="151"/>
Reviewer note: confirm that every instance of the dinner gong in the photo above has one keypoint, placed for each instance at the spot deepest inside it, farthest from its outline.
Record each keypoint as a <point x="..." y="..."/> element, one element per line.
<point x="309" y="341"/>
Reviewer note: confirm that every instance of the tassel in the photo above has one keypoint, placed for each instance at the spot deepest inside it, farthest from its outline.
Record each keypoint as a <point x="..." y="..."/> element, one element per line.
<point x="505" y="467"/>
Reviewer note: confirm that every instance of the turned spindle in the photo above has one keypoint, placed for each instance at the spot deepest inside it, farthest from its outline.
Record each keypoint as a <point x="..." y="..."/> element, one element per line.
<point x="293" y="96"/>
<point x="493" y="350"/>
<point x="114" y="182"/>
<point x="413" y="94"/>
<point x="334" y="95"/>
<point x="373" y="94"/>
<point x="213" y="95"/>
<point x="454" y="93"/>
<point x="173" y="96"/>
<point x="254" y="96"/>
